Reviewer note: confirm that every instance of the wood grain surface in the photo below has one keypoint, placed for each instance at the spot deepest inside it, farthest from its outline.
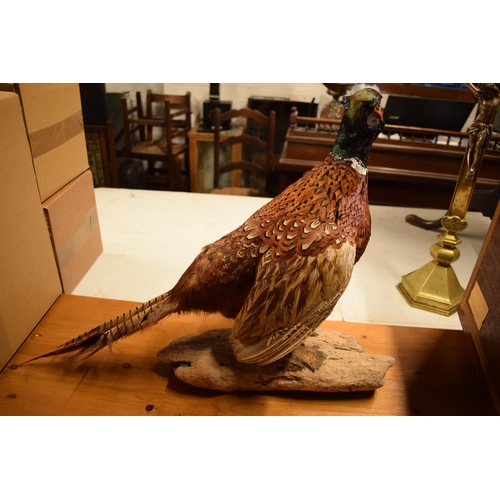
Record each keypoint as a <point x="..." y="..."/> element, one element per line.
<point x="433" y="375"/>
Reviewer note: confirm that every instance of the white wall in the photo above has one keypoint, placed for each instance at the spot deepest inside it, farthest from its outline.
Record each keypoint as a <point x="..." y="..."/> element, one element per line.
<point x="238" y="93"/>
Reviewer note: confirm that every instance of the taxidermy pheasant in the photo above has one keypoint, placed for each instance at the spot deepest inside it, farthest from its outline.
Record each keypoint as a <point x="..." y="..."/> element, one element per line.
<point x="279" y="274"/>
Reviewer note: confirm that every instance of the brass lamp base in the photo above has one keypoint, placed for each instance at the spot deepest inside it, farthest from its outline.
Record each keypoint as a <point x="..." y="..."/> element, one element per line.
<point x="433" y="287"/>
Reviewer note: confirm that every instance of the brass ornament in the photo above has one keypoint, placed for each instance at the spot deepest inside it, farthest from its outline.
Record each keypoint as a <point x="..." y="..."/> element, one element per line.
<point x="454" y="223"/>
<point x="435" y="287"/>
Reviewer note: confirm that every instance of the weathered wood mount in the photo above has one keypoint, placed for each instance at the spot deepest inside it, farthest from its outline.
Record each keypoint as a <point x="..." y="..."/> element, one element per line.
<point x="328" y="361"/>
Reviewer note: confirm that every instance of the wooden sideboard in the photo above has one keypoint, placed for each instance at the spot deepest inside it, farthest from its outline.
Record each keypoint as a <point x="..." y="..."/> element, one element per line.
<point x="418" y="170"/>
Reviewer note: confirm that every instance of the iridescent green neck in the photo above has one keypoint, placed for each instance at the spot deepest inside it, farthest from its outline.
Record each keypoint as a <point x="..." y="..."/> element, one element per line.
<point x="356" y="144"/>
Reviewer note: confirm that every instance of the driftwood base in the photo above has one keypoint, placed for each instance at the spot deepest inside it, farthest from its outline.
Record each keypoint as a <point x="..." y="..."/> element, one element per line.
<point x="328" y="361"/>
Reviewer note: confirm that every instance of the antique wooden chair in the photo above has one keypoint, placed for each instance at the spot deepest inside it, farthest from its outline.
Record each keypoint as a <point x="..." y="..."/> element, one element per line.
<point x="156" y="139"/>
<point x="154" y="108"/>
<point x="258" y="156"/>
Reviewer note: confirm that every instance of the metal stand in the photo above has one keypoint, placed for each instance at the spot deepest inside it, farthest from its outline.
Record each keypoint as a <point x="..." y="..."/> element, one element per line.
<point x="435" y="286"/>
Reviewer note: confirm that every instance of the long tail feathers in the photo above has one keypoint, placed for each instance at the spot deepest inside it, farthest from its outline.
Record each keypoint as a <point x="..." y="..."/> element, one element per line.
<point x="122" y="326"/>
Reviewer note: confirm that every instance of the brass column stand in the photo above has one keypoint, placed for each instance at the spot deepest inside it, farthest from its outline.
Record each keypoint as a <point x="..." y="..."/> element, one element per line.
<point x="435" y="286"/>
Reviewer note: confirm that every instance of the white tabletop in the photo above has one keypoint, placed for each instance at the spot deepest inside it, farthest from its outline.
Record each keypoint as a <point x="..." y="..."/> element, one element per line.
<point x="150" y="238"/>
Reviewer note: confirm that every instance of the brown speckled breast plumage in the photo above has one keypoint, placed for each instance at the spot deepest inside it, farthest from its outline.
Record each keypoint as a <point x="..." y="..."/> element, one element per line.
<point x="327" y="207"/>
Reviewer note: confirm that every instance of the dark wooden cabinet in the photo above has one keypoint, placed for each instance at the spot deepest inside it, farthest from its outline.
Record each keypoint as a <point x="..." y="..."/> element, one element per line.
<point x="479" y="310"/>
<point x="417" y="170"/>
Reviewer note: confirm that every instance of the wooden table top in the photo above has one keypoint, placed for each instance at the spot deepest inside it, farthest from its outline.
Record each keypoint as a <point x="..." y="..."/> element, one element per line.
<point x="434" y="373"/>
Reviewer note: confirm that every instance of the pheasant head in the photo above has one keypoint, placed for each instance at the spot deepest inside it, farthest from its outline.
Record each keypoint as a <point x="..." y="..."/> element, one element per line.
<point x="361" y="124"/>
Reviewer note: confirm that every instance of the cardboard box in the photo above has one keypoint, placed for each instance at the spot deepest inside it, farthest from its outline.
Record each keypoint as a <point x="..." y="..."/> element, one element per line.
<point x="54" y="123"/>
<point x="74" y="228"/>
<point x="29" y="281"/>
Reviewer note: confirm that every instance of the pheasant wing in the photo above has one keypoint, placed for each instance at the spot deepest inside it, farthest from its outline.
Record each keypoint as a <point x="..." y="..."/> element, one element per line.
<point x="288" y="301"/>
